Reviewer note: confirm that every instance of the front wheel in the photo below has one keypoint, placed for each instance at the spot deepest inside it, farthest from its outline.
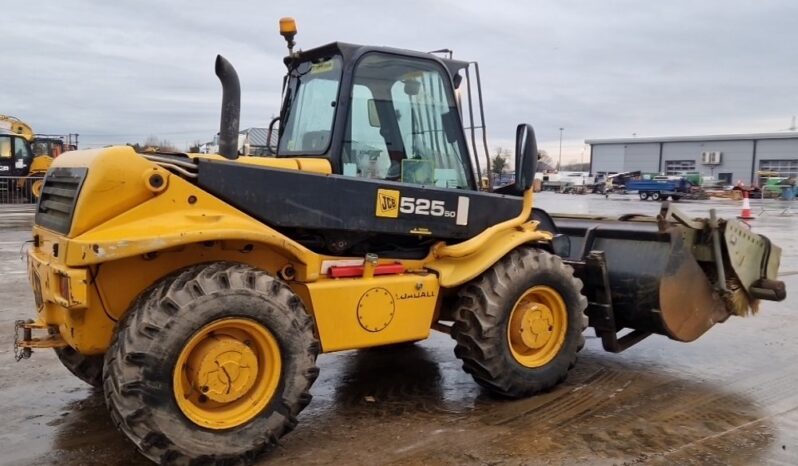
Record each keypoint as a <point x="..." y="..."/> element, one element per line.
<point x="211" y="366"/>
<point x="519" y="325"/>
<point x="36" y="188"/>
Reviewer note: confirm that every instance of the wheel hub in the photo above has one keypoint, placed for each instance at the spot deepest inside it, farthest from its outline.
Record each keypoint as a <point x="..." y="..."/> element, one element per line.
<point x="536" y="326"/>
<point x="227" y="373"/>
<point x="223" y="368"/>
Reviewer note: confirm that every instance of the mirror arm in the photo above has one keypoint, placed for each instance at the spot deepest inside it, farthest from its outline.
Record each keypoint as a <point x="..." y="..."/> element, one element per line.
<point x="269" y="149"/>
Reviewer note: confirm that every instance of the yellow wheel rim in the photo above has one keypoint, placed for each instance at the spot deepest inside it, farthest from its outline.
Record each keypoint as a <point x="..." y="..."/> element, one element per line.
<point x="36" y="188"/>
<point x="227" y="373"/>
<point x="537" y="326"/>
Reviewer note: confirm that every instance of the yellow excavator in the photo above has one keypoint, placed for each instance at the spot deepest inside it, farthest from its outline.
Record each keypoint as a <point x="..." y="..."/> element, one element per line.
<point x="196" y="290"/>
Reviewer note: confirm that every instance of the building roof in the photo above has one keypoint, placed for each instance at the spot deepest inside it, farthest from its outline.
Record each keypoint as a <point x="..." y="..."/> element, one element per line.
<point x="260" y="136"/>
<point x="713" y="137"/>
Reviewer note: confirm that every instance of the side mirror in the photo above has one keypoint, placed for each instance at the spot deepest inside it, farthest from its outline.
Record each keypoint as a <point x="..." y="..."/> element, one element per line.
<point x="457" y="80"/>
<point x="452" y="127"/>
<point x="526" y="157"/>
<point x="374" y="117"/>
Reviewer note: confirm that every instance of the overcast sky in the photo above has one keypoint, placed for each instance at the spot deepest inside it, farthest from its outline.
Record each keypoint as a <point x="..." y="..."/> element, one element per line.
<point x="119" y="71"/>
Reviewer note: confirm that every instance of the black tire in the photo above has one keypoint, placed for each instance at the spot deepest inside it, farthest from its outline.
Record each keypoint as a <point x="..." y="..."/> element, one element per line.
<point x="643" y="196"/>
<point x="87" y="368"/>
<point x="139" y="364"/>
<point x="482" y="316"/>
<point x="655" y="196"/>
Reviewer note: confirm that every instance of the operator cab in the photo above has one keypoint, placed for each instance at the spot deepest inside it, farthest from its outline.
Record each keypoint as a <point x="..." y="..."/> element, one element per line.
<point x="377" y="113"/>
<point x="389" y="123"/>
<point x="15" y="155"/>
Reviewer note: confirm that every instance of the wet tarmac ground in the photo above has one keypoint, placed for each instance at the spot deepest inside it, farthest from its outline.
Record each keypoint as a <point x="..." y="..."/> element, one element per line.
<point x="729" y="398"/>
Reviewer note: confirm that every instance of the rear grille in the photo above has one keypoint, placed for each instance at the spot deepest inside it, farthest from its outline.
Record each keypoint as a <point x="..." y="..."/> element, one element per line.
<point x="59" y="196"/>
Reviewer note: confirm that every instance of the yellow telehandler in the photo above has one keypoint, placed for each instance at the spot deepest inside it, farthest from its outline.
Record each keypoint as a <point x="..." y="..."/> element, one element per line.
<point x="19" y="157"/>
<point x="197" y="290"/>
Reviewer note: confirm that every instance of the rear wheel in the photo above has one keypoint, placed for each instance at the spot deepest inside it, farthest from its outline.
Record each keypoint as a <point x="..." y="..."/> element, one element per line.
<point x="211" y="365"/>
<point x="643" y="196"/>
<point x="519" y="325"/>
<point x="87" y="368"/>
<point x="655" y="196"/>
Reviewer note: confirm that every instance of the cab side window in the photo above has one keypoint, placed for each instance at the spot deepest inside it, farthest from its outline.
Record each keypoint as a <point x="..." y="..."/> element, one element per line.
<point x="21" y="150"/>
<point x="365" y="151"/>
<point x="5" y="147"/>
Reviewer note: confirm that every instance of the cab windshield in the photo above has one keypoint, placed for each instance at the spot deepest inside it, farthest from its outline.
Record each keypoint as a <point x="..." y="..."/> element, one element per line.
<point x="311" y="96"/>
<point x="14" y="146"/>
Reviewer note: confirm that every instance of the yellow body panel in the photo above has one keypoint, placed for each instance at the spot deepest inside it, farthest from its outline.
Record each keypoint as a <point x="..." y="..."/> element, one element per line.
<point x="454" y="271"/>
<point x="363" y="312"/>
<point x="459" y="263"/>
<point x="79" y="315"/>
<point x="115" y="185"/>
<point x="40" y="164"/>
<point x="16" y="126"/>
<point x="306" y="164"/>
<point x="126" y="236"/>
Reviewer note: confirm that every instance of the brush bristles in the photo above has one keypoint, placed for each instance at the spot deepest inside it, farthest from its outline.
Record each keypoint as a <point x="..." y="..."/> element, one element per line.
<point x="738" y="302"/>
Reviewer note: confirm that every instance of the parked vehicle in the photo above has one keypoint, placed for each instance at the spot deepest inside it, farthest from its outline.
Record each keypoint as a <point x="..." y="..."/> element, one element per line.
<point x="660" y="188"/>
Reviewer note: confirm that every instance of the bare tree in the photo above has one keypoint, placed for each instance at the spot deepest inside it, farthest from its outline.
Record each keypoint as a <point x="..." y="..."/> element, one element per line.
<point x="545" y="162"/>
<point x="576" y="167"/>
<point x="152" y="143"/>
<point x="499" y="162"/>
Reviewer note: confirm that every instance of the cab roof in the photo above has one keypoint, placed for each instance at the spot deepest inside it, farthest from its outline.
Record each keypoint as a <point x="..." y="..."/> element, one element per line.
<point x="351" y="52"/>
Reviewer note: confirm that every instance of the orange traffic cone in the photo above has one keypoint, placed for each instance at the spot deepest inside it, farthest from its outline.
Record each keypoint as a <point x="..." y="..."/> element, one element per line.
<point x="746" y="215"/>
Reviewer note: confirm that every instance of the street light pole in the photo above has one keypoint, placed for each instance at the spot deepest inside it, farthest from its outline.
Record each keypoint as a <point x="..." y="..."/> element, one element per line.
<point x="559" y="165"/>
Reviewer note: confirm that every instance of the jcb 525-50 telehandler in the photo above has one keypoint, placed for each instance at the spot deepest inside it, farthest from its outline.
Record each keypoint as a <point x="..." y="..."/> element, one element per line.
<point x="197" y="290"/>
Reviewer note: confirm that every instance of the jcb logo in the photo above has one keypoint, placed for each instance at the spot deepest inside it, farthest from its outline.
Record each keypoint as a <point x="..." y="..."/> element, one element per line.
<point x="387" y="203"/>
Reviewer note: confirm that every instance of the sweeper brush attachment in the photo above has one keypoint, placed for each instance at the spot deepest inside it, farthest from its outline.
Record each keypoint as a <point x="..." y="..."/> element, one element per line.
<point x="670" y="274"/>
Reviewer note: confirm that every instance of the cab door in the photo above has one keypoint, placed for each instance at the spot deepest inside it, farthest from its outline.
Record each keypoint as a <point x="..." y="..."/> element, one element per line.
<point x="15" y="156"/>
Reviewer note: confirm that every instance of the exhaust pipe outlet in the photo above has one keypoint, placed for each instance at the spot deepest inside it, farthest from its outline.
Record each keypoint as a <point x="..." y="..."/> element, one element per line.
<point x="231" y="108"/>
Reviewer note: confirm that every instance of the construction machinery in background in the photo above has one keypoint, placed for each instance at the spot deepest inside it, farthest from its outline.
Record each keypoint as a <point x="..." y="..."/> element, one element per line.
<point x="54" y="145"/>
<point x="196" y="290"/>
<point x="15" y="151"/>
<point x="26" y="156"/>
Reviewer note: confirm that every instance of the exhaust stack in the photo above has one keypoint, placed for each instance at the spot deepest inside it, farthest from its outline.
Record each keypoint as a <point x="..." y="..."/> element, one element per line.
<point x="231" y="108"/>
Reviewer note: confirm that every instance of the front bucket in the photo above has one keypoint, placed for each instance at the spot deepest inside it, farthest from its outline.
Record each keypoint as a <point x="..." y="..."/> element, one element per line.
<point x="689" y="304"/>
<point x="662" y="273"/>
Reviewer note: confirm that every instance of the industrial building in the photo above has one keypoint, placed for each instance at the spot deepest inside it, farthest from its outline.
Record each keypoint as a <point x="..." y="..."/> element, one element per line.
<point x="731" y="157"/>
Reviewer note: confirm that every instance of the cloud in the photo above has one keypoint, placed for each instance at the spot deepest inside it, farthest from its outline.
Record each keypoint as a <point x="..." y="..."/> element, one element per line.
<point x="121" y="71"/>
